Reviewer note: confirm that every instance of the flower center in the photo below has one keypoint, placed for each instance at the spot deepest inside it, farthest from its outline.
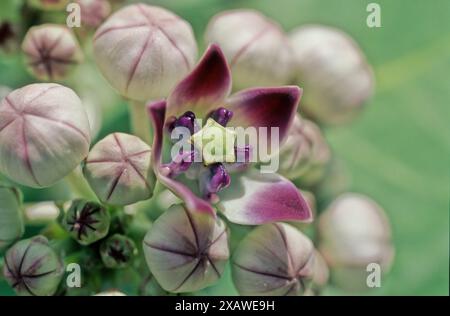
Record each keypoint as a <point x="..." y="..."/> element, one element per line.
<point x="215" y="142"/>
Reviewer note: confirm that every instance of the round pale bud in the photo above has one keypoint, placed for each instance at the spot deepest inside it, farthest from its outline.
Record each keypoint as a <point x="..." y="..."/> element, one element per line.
<point x="333" y="72"/>
<point x="305" y="154"/>
<point x="320" y="276"/>
<point x="117" y="251"/>
<point x="44" y="134"/>
<point x="273" y="259"/>
<point x="33" y="268"/>
<point x="354" y="233"/>
<point x="143" y="51"/>
<point x="51" y="51"/>
<point x="118" y="170"/>
<point x="186" y="251"/>
<point x="50" y="5"/>
<point x="11" y="222"/>
<point x="256" y="48"/>
<point x="93" y="12"/>
<point x="86" y="221"/>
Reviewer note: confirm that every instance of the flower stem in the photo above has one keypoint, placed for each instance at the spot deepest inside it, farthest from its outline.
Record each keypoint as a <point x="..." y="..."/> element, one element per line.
<point x="140" y="122"/>
<point x="79" y="186"/>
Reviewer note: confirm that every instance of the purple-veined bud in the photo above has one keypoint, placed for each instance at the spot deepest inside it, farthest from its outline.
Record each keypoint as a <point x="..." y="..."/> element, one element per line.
<point x="256" y="47"/>
<point x="93" y="12"/>
<point x="354" y="232"/>
<point x="273" y="259"/>
<point x="50" y="5"/>
<point x="213" y="179"/>
<point x="320" y="275"/>
<point x="51" y="51"/>
<point x="32" y="267"/>
<point x="118" y="169"/>
<point x="305" y="154"/>
<point x="118" y="251"/>
<point x="186" y="251"/>
<point x="44" y="134"/>
<point x="221" y="116"/>
<point x="11" y="221"/>
<point x="86" y="221"/>
<point x="333" y="71"/>
<point x="143" y="51"/>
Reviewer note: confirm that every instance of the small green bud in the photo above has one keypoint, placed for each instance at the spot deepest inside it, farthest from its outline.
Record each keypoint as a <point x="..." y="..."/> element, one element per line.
<point x="273" y="259"/>
<point x="11" y="222"/>
<point x="86" y="221"/>
<point x="33" y="268"/>
<point x="117" y="251"/>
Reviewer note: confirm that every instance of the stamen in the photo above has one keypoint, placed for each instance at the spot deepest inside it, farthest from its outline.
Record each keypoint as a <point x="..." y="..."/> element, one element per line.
<point x="212" y="180"/>
<point x="221" y="116"/>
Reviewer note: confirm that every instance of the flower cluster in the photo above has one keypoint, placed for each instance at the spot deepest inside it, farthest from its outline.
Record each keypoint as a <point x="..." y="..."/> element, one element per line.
<point x="171" y="211"/>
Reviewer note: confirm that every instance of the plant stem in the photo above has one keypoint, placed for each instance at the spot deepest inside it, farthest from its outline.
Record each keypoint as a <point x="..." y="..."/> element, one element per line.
<point x="79" y="186"/>
<point x="140" y="122"/>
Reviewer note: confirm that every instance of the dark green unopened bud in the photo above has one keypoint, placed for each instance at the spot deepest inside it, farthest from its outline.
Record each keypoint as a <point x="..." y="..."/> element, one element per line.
<point x="11" y="223"/>
<point x="118" y="251"/>
<point x="86" y="221"/>
<point x="33" y="268"/>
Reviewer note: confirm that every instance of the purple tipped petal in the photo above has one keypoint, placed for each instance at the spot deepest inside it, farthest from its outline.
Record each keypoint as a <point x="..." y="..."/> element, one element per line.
<point x="213" y="179"/>
<point x="204" y="88"/>
<point x="221" y="116"/>
<point x="265" y="107"/>
<point x="194" y="204"/>
<point x="262" y="198"/>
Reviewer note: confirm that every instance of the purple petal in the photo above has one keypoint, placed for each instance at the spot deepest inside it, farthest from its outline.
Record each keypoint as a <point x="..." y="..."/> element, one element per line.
<point x="257" y="198"/>
<point x="265" y="107"/>
<point x="204" y="88"/>
<point x="193" y="203"/>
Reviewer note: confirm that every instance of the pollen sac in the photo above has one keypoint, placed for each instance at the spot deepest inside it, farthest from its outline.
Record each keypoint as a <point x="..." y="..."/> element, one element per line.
<point x="186" y="251"/>
<point x="118" y="169"/>
<point x="333" y="72"/>
<point x="11" y="222"/>
<point x="33" y="268"/>
<point x="143" y="51"/>
<point x="305" y="154"/>
<point x="51" y="51"/>
<point x="44" y="134"/>
<point x="354" y="233"/>
<point x="213" y="179"/>
<point x="273" y="259"/>
<point x="117" y="251"/>
<point x="86" y="221"/>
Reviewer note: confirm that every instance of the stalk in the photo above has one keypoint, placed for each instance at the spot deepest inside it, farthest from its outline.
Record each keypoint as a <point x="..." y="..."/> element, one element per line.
<point x="79" y="186"/>
<point x="140" y="123"/>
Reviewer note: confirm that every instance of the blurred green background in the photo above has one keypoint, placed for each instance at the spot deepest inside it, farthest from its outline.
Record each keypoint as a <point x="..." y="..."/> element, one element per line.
<point x="397" y="151"/>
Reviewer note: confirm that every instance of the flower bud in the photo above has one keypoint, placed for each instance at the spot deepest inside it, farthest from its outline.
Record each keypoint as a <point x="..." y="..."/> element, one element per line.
<point x="110" y="293"/>
<point x="354" y="232"/>
<point x="44" y="134"/>
<point x="305" y="153"/>
<point x="117" y="251"/>
<point x="93" y="12"/>
<point x="186" y="251"/>
<point x="118" y="169"/>
<point x="256" y="47"/>
<point x="273" y="259"/>
<point x="32" y="267"/>
<point x="320" y="274"/>
<point x="11" y="222"/>
<point x="50" y="5"/>
<point x="143" y="51"/>
<point x="333" y="72"/>
<point x="51" y="51"/>
<point x="86" y="221"/>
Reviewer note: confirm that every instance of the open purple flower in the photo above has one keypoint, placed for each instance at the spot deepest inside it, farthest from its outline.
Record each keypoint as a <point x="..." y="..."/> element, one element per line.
<point x="249" y="197"/>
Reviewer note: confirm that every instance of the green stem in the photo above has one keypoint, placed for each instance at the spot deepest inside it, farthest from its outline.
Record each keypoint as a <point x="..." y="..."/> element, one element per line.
<point x="140" y="121"/>
<point x="79" y="186"/>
